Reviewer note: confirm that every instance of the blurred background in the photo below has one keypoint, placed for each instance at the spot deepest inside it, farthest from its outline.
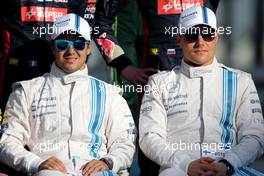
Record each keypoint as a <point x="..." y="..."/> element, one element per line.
<point x="243" y="48"/>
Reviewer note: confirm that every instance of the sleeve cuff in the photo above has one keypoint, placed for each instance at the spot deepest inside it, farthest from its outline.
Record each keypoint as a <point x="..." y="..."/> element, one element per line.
<point x="120" y="62"/>
<point x="116" y="166"/>
<point x="33" y="166"/>
<point x="233" y="159"/>
<point x="183" y="161"/>
<point x="184" y="164"/>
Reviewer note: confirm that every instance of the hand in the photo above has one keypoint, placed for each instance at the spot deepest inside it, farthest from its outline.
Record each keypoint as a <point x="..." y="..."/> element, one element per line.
<point x="93" y="167"/>
<point x="201" y="167"/>
<point x="137" y="75"/>
<point x="220" y="168"/>
<point x="53" y="163"/>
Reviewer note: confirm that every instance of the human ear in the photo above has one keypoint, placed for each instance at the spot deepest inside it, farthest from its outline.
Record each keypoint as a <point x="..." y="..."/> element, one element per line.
<point x="88" y="49"/>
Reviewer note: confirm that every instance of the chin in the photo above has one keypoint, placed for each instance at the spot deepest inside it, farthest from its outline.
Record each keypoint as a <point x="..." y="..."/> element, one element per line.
<point x="200" y="59"/>
<point x="69" y="70"/>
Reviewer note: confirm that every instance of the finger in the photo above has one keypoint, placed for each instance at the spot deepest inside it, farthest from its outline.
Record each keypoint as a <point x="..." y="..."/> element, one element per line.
<point x="83" y="166"/>
<point x="152" y="70"/>
<point x="99" y="165"/>
<point x="209" y="173"/>
<point x="98" y="169"/>
<point x="50" y="164"/>
<point x="207" y="159"/>
<point x="46" y="166"/>
<point x="58" y="165"/>
<point x="207" y="164"/>
<point x="135" y="82"/>
<point x="220" y="174"/>
<point x="143" y="75"/>
<point x="86" y="166"/>
<point x="140" y="81"/>
<point x="88" y="169"/>
<point x="207" y="167"/>
<point x="143" y="82"/>
<point x="94" y="167"/>
<point x="199" y="172"/>
<point x="55" y="166"/>
<point x="61" y="164"/>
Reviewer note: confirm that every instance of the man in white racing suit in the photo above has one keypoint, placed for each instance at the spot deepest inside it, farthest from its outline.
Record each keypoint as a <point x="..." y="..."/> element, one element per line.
<point x="72" y="123"/>
<point x="201" y="118"/>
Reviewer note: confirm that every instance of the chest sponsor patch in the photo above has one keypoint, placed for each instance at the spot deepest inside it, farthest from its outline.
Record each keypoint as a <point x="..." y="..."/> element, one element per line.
<point x="166" y="7"/>
<point x="37" y="13"/>
<point x="45" y="106"/>
<point x="90" y="9"/>
<point x="171" y="51"/>
<point x="91" y="1"/>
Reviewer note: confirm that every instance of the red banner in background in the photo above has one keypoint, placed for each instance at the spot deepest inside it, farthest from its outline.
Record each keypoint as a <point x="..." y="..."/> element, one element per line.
<point x="37" y="13"/>
<point x="166" y="7"/>
<point x="91" y="1"/>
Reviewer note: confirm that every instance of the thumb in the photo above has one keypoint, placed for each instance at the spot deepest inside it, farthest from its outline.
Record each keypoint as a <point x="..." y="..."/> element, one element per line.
<point x="207" y="159"/>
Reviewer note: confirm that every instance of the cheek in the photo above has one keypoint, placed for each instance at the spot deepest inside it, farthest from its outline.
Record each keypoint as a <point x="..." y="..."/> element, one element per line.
<point x="212" y="49"/>
<point x="58" y="56"/>
<point x="187" y="50"/>
<point x="87" y="51"/>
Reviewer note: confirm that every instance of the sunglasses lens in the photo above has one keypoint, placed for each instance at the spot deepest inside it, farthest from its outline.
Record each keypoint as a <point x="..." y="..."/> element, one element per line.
<point x="79" y="45"/>
<point x="192" y="37"/>
<point x="192" y="34"/>
<point x="208" y="37"/>
<point x="61" y="45"/>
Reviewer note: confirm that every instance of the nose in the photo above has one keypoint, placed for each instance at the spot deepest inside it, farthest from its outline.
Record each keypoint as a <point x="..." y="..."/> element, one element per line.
<point x="70" y="49"/>
<point x="200" y="41"/>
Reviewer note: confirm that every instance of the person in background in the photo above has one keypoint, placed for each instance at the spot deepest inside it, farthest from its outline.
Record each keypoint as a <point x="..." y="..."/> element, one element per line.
<point x="129" y="33"/>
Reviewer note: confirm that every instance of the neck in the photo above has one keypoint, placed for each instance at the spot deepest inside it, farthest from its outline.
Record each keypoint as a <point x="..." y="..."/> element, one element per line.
<point x="193" y="64"/>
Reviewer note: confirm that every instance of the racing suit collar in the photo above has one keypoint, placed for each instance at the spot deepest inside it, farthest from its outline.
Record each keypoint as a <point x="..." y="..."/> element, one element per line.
<point x="195" y="72"/>
<point x="68" y="78"/>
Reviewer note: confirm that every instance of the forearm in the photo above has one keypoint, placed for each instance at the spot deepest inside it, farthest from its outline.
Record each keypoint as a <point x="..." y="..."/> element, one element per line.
<point x="249" y="123"/>
<point x="121" y="134"/>
<point x="164" y="154"/>
<point x="112" y="53"/>
<point x="16" y="156"/>
<point x="121" y="62"/>
<point x="105" y="15"/>
<point x="121" y="154"/>
<point x="246" y="152"/>
<point x="17" y="134"/>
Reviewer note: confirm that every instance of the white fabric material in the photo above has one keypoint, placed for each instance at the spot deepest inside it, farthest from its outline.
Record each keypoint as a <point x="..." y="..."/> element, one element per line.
<point x="49" y="173"/>
<point x="52" y="115"/>
<point x="71" y="23"/>
<point x="57" y="173"/>
<point x="176" y="128"/>
<point x="173" y="172"/>
<point x="196" y="15"/>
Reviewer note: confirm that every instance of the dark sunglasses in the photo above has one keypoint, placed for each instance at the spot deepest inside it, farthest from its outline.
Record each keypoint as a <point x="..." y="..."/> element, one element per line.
<point x="63" y="45"/>
<point x="193" y="37"/>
